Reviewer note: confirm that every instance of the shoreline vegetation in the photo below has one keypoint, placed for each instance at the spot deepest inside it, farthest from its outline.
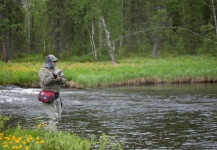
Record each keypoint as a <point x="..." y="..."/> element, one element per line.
<point x="38" y="138"/>
<point x="127" y="72"/>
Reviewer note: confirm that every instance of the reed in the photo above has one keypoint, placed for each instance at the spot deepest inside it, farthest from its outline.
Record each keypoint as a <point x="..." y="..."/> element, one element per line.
<point x="133" y="71"/>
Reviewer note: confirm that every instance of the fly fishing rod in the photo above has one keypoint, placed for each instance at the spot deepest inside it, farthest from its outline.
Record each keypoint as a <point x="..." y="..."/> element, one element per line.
<point x="77" y="60"/>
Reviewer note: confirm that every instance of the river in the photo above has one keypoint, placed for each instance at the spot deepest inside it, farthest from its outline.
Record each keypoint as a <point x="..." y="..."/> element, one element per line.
<point x="182" y="116"/>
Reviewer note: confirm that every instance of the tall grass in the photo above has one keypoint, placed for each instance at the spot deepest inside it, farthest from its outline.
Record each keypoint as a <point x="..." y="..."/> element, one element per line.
<point x="133" y="71"/>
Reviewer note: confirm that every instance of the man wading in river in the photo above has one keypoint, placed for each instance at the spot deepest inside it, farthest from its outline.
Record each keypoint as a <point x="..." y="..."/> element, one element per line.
<point x="50" y="80"/>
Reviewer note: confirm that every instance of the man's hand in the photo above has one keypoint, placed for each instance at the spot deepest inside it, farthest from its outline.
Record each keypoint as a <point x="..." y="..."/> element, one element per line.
<point x="56" y="73"/>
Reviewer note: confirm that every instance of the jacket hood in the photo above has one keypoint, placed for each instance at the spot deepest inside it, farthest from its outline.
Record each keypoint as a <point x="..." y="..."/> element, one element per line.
<point x="49" y="59"/>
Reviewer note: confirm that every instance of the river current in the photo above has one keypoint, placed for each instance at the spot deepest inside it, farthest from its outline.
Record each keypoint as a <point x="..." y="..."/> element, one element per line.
<point x="170" y="116"/>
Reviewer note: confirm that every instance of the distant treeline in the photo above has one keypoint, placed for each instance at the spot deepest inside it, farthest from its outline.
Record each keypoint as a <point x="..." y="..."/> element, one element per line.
<point x="125" y="27"/>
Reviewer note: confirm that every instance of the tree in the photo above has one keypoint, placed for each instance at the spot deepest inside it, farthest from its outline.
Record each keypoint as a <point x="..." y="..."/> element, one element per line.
<point x="12" y="18"/>
<point x="214" y="15"/>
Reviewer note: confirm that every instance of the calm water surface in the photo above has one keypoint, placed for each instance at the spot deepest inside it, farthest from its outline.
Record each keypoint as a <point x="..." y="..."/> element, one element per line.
<point x="148" y="117"/>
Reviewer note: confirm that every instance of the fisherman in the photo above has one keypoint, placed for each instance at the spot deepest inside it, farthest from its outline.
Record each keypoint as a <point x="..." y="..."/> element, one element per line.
<point x="51" y="78"/>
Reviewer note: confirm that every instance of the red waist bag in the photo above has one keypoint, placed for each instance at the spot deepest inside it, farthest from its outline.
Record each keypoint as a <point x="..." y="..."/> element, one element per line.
<point x="46" y="96"/>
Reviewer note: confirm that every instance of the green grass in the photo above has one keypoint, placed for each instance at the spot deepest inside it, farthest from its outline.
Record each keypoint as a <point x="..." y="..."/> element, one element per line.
<point x="40" y="139"/>
<point x="133" y="71"/>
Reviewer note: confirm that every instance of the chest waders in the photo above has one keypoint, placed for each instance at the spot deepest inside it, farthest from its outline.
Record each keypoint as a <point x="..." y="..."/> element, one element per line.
<point x="59" y="108"/>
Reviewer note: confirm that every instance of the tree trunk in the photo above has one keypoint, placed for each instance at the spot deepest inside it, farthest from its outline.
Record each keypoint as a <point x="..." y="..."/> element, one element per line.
<point x="111" y="49"/>
<point x="57" y="36"/>
<point x="122" y="11"/>
<point x="92" y="37"/>
<point x="29" y="26"/>
<point x="4" y="50"/>
<point x="100" y="38"/>
<point x="214" y="14"/>
<point x="155" y="49"/>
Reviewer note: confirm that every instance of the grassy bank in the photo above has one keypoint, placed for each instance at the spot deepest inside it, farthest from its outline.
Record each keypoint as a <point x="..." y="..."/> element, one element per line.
<point x="40" y="139"/>
<point x="134" y="71"/>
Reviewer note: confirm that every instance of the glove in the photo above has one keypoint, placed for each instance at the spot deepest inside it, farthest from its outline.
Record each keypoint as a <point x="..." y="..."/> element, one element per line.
<point x="56" y="73"/>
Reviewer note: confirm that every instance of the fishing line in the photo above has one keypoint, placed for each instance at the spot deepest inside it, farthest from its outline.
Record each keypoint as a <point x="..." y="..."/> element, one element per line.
<point x="77" y="60"/>
<point x="137" y="32"/>
<point x="168" y="28"/>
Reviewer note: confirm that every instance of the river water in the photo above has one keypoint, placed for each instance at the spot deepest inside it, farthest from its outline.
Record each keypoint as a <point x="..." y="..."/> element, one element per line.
<point x="148" y="117"/>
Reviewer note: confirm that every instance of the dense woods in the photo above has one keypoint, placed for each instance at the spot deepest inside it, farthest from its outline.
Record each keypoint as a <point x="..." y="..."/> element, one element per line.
<point x="107" y="28"/>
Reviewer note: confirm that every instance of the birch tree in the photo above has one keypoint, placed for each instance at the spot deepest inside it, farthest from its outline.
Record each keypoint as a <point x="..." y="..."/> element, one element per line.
<point x="109" y="42"/>
<point x="214" y="15"/>
<point x="29" y="24"/>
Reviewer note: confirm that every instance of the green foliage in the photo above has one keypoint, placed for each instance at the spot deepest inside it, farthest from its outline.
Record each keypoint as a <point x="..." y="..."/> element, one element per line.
<point x="38" y="139"/>
<point x="3" y="121"/>
<point x="66" y="28"/>
<point x="61" y="141"/>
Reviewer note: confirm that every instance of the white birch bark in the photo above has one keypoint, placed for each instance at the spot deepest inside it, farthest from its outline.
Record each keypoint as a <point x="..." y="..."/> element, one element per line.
<point x="109" y="43"/>
<point x="100" y="37"/>
<point x="92" y="38"/>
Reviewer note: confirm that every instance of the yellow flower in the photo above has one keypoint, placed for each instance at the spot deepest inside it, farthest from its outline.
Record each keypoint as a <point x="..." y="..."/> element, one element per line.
<point x="0" y="138"/>
<point x="5" y="146"/>
<point x="5" y="142"/>
<point x="42" y="141"/>
<point x="13" y="137"/>
<point x="31" y="138"/>
<point x="24" y="143"/>
<point x="20" y="146"/>
<point x="27" y="148"/>
<point x="7" y="138"/>
<point x="37" y="138"/>
<point x="20" y="138"/>
<point x="39" y="126"/>
<point x="1" y="134"/>
<point x="17" y="141"/>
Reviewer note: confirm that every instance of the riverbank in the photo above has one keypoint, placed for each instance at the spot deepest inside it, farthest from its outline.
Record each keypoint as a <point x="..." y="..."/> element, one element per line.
<point x="39" y="138"/>
<point x="133" y="71"/>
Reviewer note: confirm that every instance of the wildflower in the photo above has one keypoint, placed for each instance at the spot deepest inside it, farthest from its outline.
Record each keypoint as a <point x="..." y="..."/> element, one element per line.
<point x="7" y="138"/>
<point x="37" y="138"/>
<point x="44" y="125"/>
<point x="39" y="126"/>
<point x="1" y="134"/>
<point x="42" y="141"/>
<point x="24" y="143"/>
<point x="17" y="141"/>
<point x="5" y="143"/>
<point x="27" y="148"/>
<point x="31" y="138"/>
<point x="20" y="138"/>
<point x="5" y="146"/>
<point x="20" y="146"/>
<point x="0" y="139"/>
<point x="13" y="138"/>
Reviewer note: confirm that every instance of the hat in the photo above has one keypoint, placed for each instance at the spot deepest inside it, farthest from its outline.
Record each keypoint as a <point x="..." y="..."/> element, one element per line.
<point x="53" y="58"/>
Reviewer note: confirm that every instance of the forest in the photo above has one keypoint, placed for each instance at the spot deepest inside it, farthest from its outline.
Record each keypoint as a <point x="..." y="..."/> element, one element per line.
<point x="107" y="29"/>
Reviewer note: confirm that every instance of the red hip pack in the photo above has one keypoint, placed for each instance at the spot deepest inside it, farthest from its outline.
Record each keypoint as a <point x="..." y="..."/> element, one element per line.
<point x="46" y="96"/>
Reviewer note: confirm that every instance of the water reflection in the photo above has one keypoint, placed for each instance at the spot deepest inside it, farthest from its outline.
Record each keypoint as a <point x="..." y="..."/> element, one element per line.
<point x="149" y="117"/>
